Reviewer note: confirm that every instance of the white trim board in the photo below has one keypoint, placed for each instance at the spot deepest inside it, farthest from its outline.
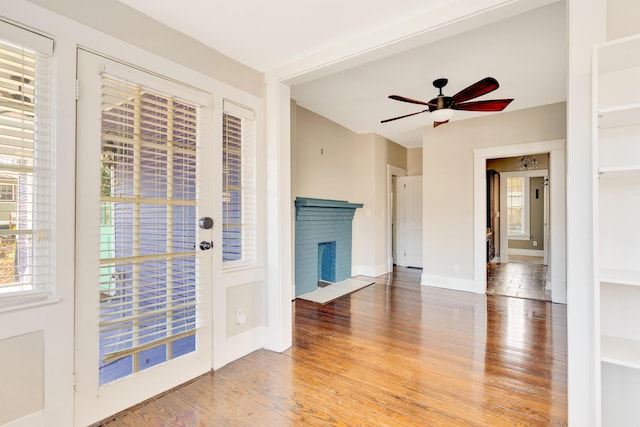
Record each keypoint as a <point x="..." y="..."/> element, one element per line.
<point x="446" y="282"/>
<point x="526" y="252"/>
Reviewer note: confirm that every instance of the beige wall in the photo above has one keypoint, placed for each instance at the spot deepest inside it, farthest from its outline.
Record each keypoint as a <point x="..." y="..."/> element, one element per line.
<point x="414" y="161"/>
<point x="622" y="18"/>
<point x="118" y="20"/>
<point x="325" y="165"/>
<point x="331" y="162"/>
<point x="448" y="180"/>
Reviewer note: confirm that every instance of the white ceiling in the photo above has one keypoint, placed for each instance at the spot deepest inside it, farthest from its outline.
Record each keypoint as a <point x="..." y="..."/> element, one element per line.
<point x="267" y="34"/>
<point x="526" y="52"/>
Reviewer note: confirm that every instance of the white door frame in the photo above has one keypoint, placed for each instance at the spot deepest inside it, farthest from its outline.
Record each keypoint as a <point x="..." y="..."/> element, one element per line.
<point x="557" y="211"/>
<point x="504" y="234"/>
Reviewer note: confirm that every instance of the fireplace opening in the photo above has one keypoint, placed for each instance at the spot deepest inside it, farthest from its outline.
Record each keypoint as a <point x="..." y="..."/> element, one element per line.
<point x="326" y="263"/>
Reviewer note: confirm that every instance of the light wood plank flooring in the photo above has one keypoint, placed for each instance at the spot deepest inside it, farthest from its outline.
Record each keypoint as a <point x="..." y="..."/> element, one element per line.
<point x="392" y="354"/>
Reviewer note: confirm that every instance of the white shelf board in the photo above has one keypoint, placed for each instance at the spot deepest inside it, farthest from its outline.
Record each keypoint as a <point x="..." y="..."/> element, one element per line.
<point x="620" y="351"/>
<point x="619" y="54"/>
<point x="619" y="116"/>
<point x="626" y="170"/>
<point x="620" y="277"/>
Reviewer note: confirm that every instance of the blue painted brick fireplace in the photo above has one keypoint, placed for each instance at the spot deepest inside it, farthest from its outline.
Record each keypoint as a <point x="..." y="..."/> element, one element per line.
<point x="323" y="229"/>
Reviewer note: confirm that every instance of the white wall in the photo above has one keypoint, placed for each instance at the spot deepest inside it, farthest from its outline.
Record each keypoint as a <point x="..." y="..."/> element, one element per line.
<point x="50" y="328"/>
<point x="448" y="186"/>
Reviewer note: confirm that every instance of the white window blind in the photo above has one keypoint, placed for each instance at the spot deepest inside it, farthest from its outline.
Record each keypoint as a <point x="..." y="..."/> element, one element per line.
<point x="149" y="298"/>
<point x="516" y="205"/>
<point x="238" y="185"/>
<point x="26" y="187"/>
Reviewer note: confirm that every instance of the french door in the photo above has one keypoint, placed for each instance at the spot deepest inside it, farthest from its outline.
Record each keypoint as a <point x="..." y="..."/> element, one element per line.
<point x="144" y="262"/>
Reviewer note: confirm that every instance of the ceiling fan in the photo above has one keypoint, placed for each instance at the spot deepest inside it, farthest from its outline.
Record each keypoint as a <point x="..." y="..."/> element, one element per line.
<point x="442" y="107"/>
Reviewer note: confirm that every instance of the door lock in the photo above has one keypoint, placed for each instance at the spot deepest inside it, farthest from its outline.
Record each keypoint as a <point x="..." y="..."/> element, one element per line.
<point x="205" y="246"/>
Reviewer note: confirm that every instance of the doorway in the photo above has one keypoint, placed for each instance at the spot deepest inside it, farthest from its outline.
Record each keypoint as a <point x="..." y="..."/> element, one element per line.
<point x="407" y="239"/>
<point x="517" y="225"/>
<point x="556" y="240"/>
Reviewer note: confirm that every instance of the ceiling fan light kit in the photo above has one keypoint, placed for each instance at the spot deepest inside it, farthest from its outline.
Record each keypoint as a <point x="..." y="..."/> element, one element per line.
<point x="442" y="115"/>
<point x="441" y="108"/>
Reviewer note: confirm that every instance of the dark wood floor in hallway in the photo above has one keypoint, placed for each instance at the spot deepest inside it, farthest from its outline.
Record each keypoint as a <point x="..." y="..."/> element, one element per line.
<point x="392" y="354"/>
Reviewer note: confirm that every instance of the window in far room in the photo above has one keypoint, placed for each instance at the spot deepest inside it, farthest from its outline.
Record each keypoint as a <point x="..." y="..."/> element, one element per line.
<point x="518" y="207"/>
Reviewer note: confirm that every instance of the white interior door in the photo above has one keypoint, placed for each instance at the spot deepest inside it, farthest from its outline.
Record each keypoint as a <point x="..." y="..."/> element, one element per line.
<point x="143" y="316"/>
<point x="409" y="221"/>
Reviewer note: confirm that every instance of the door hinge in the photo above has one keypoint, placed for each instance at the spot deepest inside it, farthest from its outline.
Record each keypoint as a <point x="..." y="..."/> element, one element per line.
<point x="77" y="89"/>
<point x="75" y="382"/>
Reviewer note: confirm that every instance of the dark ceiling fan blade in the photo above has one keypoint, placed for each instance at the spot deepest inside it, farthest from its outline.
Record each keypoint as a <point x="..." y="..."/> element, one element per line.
<point x="479" y="88"/>
<point x="489" y="105"/>
<point x="413" y="101"/>
<point x="402" y="117"/>
<point x="436" y="124"/>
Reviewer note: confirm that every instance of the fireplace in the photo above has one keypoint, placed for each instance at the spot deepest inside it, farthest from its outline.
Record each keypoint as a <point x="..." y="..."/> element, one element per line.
<point x="323" y="242"/>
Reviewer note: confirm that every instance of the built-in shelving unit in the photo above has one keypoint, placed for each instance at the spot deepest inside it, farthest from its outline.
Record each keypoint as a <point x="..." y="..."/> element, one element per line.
<point x="617" y="226"/>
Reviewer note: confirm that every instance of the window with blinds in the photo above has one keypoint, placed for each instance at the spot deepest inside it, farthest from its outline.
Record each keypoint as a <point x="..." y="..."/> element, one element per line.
<point x="238" y="185"/>
<point x="26" y="202"/>
<point x="516" y="200"/>
<point x="148" y="293"/>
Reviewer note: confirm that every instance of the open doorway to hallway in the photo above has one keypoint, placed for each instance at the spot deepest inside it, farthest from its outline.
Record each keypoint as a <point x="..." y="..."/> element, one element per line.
<point x="517" y="226"/>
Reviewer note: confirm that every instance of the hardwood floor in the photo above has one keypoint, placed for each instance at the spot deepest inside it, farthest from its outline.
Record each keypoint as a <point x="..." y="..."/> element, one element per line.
<point x="522" y="277"/>
<point x="392" y="354"/>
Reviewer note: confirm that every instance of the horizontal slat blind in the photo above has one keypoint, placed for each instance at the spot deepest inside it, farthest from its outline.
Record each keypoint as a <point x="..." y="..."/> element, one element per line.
<point x="25" y="170"/>
<point x="148" y="289"/>
<point x="515" y="205"/>
<point x="238" y="184"/>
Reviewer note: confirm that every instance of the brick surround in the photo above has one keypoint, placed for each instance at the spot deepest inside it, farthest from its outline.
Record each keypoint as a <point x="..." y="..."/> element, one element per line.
<point x="322" y="221"/>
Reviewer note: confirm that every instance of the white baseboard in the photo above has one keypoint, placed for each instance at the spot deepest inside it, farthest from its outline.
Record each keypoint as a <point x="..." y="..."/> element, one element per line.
<point x="239" y="346"/>
<point x="34" y="419"/>
<point x="369" y="270"/>
<point x="559" y="291"/>
<point x="446" y="282"/>
<point x="526" y="252"/>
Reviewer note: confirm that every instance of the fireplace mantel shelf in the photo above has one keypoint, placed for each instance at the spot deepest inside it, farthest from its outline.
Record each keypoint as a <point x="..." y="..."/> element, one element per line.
<point x="325" y="203"/>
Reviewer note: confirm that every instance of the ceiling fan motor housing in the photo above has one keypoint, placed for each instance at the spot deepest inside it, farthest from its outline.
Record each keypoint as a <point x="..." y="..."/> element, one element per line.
<point x="440" y="102"/>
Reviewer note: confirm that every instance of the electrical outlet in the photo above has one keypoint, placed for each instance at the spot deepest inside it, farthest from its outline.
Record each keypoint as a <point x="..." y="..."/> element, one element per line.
<point x="241" y="318"/>
<point x="535" y="243"/>
<point x="456" y="268"/>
